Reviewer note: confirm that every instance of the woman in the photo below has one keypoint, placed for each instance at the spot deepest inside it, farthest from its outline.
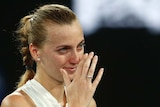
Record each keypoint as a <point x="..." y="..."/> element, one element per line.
<point x="52" y="42"/>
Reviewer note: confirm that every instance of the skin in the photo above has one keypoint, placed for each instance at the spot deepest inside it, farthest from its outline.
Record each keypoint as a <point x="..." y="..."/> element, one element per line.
<point x="62" y="61"/>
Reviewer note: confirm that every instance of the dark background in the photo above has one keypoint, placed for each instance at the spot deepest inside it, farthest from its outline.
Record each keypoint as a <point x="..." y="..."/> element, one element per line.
<point x="131" y="59"/>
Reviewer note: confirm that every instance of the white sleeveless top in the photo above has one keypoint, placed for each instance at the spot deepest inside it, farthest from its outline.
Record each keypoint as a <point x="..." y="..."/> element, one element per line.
<point x="39" y="95"/>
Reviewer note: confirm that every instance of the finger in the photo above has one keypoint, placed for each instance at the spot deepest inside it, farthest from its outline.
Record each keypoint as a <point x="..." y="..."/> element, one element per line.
<point x="66" y="78"/>
<point x="87" y="65"/>
<point x="93" y="66"/>
<point x="98" y="78"/>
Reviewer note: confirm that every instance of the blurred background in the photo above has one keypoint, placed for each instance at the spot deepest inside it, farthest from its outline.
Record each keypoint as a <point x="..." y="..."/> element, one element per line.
<point x="124" y="33"/>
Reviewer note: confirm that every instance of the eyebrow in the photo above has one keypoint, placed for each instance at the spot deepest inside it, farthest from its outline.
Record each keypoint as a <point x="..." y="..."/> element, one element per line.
<point x="82" y="42"/>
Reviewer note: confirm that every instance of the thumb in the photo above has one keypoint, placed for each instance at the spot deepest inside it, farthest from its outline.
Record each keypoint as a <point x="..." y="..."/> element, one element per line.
<point x="66" y="78"/>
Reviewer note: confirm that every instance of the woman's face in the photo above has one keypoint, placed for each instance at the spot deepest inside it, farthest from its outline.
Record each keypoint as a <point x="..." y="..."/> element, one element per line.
<point x="63" y="48"/>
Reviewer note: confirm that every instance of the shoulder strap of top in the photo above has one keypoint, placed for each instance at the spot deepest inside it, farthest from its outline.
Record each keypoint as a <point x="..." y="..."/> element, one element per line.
<point x="40" y="96"/>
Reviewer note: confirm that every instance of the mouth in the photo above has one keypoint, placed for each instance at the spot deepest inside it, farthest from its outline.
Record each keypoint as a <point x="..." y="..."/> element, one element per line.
<point x="70" y="70"/>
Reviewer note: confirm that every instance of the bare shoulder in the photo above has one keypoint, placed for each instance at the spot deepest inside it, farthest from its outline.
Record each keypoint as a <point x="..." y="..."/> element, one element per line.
<point x="92" y="103"/>
<point x="16" y="99"/>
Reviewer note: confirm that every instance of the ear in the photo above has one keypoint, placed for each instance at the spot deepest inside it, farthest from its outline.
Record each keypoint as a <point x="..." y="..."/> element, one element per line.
<point x="34" y="52"/>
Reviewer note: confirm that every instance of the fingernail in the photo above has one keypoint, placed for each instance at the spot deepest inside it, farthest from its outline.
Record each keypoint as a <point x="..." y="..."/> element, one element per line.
<point x="92" y="52"/>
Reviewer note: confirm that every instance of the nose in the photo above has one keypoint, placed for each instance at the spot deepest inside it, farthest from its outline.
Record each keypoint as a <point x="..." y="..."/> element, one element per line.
<point x="75" y="57"/>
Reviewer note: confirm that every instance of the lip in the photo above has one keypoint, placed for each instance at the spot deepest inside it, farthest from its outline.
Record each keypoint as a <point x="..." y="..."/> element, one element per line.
<point x="70" y="70"/>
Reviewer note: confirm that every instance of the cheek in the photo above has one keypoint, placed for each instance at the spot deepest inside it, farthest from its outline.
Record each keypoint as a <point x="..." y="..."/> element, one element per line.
<point x="60" y="60"/>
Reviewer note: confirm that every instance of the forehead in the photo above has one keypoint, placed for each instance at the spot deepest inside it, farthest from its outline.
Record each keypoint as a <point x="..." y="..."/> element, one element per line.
<point x="67" y="33"/>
